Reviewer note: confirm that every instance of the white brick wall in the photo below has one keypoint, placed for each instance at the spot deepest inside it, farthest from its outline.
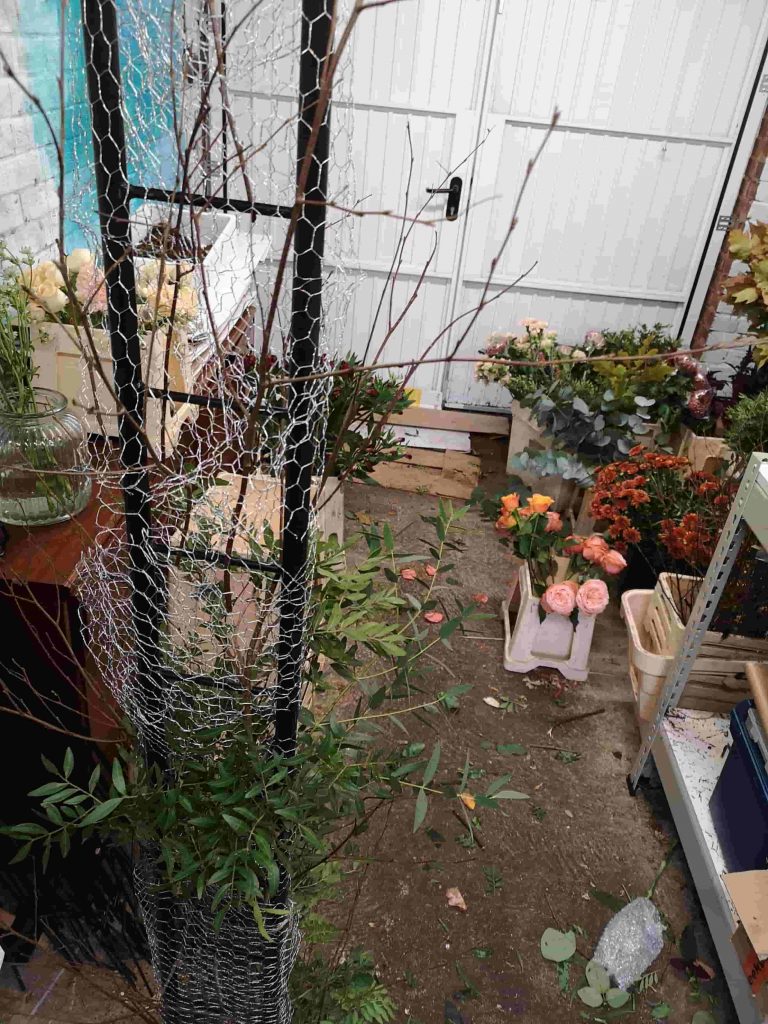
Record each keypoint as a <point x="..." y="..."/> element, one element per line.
<point x="28" y="185"/>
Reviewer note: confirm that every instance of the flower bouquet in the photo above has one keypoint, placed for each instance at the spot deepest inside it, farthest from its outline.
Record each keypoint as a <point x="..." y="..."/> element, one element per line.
<point x="561" y="587"/>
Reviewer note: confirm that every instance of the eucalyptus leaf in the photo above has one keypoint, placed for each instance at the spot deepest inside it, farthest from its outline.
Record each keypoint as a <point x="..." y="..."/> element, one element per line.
<point x="557" y="946"/>
<point x="597" y="976"/>
<point x="420" y="812"/>
<point x="616" y="998"/>
<point x="590" y="996"/>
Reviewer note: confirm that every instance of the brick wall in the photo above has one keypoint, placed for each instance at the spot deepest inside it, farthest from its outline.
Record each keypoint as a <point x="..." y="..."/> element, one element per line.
<point x="28" y="185"/>
<point x="718" y="322"/>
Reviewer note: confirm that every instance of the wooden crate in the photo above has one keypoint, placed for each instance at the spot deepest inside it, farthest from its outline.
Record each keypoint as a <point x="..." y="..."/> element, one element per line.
<point x="718" y="678"/>
<point x="705" y="453"/>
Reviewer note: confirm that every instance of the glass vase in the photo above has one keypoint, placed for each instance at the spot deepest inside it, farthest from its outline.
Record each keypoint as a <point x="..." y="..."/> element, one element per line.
<point x="43" y="457"/>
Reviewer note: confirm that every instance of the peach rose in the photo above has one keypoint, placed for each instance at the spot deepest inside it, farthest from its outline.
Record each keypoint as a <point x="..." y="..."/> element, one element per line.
<point x="506" y="522"/>
<point x="573" y="545"/>
<point x="560" y="598"/>
<point x="510" y="502"/>
<point x="540" y="502"/>
<point x="592" y="597"/>
<point x="613" y="562"/>
<point x="554" y="523"/>
<point x="594" y="548"/>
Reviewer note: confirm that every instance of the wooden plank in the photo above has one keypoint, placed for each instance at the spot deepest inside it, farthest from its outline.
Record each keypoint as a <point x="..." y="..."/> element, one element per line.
<point x="420" y="480"/>
<point x="449" y="419"/>
<point x="443" y="460"/>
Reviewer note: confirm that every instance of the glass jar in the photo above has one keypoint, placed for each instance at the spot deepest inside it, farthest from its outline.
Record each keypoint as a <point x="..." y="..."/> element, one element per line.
<point x="34" y="444"/>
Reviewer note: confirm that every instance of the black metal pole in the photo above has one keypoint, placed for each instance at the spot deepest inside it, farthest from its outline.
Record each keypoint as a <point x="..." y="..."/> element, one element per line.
<point x="306" y="317"/>
<point x="105" y="95"/>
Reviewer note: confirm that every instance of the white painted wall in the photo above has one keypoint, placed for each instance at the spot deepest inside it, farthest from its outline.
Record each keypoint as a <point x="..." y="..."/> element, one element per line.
<point x="28" y="199"/>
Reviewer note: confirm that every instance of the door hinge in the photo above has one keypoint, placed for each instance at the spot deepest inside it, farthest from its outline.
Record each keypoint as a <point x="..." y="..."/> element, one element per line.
<point x="500" y="8"/>
<point x="723" y="222"/>
<point x="763" y="87"/>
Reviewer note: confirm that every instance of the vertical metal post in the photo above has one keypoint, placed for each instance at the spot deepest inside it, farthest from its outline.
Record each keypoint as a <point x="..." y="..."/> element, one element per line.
<point x="105" y="96"/>
<point x="309" y="245"/>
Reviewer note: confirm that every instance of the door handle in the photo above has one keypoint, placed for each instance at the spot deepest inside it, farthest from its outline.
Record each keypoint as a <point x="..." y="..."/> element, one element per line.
<point x="454" y="197"/>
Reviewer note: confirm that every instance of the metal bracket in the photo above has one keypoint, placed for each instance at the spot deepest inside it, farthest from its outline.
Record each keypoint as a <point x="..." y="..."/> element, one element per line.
<point x="724" y="222"/>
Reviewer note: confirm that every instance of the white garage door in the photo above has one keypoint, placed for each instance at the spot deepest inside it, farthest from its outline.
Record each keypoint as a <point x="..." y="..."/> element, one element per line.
<point x="653" y="95"/>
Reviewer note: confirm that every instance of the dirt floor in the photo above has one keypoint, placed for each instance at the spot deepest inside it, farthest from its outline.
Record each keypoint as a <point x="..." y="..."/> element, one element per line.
<point x="541" y="861"/>
<point x="535" y="864"/>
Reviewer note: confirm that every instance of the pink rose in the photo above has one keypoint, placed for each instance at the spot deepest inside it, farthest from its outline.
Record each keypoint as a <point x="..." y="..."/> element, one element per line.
<point x="613" y="562"/>
<point x="554" y="523"/>
<point x="595" y="548"/>
<point x="91" y="289"/>
<point x="592" y="597"/>
<point x="560" y="598"/>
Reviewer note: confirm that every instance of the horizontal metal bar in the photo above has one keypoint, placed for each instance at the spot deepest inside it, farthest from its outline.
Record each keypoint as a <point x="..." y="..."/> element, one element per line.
<point x="166" y="195"/>
<point x="218" y="558"/>
<point x="211" y="401"/>
<point x="580" y="127"/>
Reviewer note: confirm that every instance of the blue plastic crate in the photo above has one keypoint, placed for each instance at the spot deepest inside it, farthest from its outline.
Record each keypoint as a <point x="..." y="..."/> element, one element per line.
<point x="739" y="804"/>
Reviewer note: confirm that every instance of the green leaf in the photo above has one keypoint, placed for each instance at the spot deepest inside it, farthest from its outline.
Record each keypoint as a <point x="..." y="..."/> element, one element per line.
<point x="482" y="952"/>
<point x="100" y="812"/>
<point x="661" y="1012"/>
<point x="431" y="770"/>
<point x="613" y="903"/>
<point x="49" y="788"/>
<point x="118" y="779"/>
<point x="420" y="813"/>
<point x="21" y="853"/>
<point x="510" y="794"/>
<point x="703" y="1017"/>
<point x="511" y="748"/>
<point x="597" y="976"/>
<point x="616" y="998"/>
<point x="234" y="822"/>
<point x="557" y="946"/>
<point x="590" y="996"/>
<point x="95" y="776"/>
<point x="69" y="762"/>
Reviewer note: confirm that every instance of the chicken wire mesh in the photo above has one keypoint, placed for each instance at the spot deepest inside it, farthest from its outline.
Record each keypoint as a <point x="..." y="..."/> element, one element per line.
<point x="197" y="351"/>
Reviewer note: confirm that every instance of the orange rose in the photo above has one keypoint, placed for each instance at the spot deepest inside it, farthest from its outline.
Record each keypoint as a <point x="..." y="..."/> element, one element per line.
<point x="594" y="548"/>
<point x="540" y="502"/>
<point x="613" y="562"/>
<point x="510" y="502"/>
<point x="506" y="522"/>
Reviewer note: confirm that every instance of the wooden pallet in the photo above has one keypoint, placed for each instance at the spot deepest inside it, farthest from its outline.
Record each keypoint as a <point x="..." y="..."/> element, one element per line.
<point x="422" y="471"/>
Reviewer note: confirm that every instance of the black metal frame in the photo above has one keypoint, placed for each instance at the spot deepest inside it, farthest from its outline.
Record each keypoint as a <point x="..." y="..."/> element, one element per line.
<point x="114" y="197"/>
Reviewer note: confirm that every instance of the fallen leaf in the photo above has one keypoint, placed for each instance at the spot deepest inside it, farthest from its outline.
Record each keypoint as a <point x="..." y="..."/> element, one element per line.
<point x="408" y="574"/>
<point x="480" y="598"/>
<point x="568" y="814"/>
<point x="364" y="518"/>
<point x="455" y="899"/>
<point x="434" y="617"/>
<point x="491" y="702"/>
<point x="557" y="946"/>
<point x="512" y="748"/>
<point x="468" y="800"/>
<point x="430" y="570"/>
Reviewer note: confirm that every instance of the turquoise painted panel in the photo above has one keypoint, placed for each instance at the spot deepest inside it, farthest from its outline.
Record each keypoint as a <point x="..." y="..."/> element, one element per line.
<point x="145" y="62"/>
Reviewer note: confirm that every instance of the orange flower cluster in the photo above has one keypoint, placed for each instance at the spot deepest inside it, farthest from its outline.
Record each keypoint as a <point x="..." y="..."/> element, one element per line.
<point x="691" y="540"/>
<point x="654" y="496"/>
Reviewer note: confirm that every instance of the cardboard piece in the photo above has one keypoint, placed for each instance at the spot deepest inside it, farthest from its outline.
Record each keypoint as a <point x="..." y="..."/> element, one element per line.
<point x="450" y="474"/>
<point x="749" y="892"/>
<point x="755" y="969"/>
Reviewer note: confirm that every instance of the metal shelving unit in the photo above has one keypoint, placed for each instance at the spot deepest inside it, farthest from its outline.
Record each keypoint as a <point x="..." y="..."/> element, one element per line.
<point x="688" y="746"/>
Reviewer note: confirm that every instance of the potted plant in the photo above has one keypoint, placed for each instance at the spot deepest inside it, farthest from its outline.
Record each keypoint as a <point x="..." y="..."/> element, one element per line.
<point x="596" y="408"/>
<point x="561" y="587"/>
<point x="43" y="455"/>
<point x="72" y="344"/>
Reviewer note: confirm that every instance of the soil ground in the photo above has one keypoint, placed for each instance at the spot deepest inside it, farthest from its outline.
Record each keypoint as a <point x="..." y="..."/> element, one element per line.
<point x="580" y="831"/>
<point x="537" y="864"/>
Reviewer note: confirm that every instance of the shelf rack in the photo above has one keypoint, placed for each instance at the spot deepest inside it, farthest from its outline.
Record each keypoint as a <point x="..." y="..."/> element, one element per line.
<point x="688" y="747"/>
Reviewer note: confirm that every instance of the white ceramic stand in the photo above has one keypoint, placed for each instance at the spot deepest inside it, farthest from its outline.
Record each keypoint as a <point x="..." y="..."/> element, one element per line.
<point x="553" y="643"/>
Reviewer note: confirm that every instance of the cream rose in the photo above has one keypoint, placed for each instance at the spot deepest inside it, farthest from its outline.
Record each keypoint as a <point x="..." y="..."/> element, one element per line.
<point x="78" y="259"/>
<point x="592" y="598"/>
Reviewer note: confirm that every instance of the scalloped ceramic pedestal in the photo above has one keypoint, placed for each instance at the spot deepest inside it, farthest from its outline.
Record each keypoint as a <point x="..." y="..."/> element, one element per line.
<point x="553" y="643"/>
